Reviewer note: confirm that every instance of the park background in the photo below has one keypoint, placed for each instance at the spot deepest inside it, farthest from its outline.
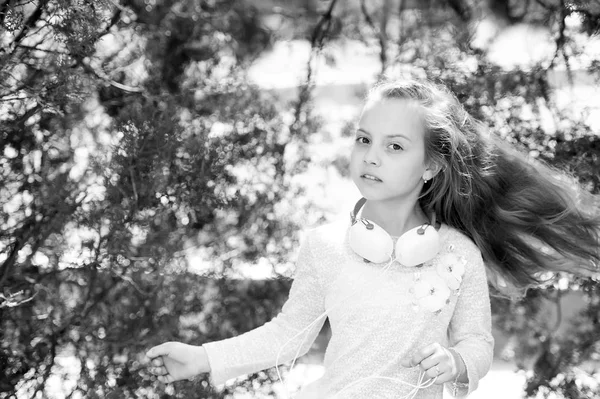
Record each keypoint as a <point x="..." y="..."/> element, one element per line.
<point x="160" y="159"/>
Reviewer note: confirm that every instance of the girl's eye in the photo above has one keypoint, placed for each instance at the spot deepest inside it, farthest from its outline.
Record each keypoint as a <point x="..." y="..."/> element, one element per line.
<point x="362" y="140"/>
<point x="395" y="147"/>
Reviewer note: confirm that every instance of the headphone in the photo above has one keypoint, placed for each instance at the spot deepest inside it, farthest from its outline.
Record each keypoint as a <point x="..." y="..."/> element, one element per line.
<point x="374" y="244"/>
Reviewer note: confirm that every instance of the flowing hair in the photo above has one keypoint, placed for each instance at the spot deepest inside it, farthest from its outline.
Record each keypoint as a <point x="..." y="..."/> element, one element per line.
<point x="526" y="217"/>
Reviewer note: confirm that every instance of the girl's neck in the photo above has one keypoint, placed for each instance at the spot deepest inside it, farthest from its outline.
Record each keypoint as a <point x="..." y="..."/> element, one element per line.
<point x="395" y="218"/>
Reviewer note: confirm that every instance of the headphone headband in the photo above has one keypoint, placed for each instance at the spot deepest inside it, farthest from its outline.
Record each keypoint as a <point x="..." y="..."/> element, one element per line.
<point x="361" y="202"/>
<point x="357" y="207"/>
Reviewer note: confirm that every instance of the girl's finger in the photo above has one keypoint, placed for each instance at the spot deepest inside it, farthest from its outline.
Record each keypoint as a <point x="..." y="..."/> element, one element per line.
<point x="445" y="373"/>
<point x="441" y="376"/>
<point x="157" y="361"/>
<point x="429" y="362"/>
<point x="423" y="354"/>
<point x="435" y="371"/>
<point x="432" y="373"/>
<point x="159" y="350"/>
<point x="437" y="358"/>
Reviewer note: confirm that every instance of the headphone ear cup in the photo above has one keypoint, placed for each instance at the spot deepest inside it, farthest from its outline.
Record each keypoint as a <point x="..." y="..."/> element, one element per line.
<point x="371" y="242"/>
<point x="415" y="248"/>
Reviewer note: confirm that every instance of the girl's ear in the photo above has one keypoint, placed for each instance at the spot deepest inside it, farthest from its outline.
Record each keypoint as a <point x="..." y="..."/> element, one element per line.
<point x="431" y="171"/>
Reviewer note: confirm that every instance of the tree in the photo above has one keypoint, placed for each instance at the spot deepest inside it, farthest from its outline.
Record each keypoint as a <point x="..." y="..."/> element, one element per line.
<point x="129" y="134"/>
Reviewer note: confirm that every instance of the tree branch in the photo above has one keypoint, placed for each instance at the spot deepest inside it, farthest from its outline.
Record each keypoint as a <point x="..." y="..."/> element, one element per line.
<point x="6" y="267"/>
<point x="4" y="10"/>
<point x="47" y="371"/>
<point x="380" y="33"/>
<point x="561" y="41"/>
<point x="8" y="302"/>
<point x="113" y="20"/>
<point x="462" y="10"/>
<point x="545" y="5"/>
<point x="317" y="42"/>
<point x="41" y="49"/>
<point x="105" y="78"/>
<point x="31" y="21"/>
<point x="323" y="27"/>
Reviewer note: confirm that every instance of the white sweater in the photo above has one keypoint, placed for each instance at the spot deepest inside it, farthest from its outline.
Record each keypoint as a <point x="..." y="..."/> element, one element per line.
<point x="376" y="320"/>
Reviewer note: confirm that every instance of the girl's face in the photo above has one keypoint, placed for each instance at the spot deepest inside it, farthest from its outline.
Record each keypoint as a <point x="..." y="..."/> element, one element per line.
<point x="388" y="159"/>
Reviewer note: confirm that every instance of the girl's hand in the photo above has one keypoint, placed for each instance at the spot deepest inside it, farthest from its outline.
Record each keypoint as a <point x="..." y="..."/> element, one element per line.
<point x="174" y="361"/>
<point x="436" y="361"/>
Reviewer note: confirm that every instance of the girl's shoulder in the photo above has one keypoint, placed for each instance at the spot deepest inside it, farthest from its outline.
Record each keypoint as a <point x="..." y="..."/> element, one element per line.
<point x="457" y="241"/>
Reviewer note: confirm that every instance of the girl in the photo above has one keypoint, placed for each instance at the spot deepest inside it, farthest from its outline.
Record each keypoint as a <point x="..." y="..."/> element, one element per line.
<point x="407" y="297"/>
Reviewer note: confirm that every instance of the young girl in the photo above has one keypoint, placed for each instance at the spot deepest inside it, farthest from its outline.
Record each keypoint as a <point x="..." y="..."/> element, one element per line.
<point x="403" y="282"/>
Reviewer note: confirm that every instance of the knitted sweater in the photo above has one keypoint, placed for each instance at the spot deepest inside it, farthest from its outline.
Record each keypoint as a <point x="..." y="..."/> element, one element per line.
<point x="378" y="316"/>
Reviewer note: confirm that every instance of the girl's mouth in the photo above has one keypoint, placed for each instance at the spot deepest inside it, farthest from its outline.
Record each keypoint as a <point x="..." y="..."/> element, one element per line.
<point x="370" y="177"/>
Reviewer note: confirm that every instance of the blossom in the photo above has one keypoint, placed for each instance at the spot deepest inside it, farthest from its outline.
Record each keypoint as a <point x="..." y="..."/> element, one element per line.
<point x="451" y="269"/>
<point x="431" y="293"/>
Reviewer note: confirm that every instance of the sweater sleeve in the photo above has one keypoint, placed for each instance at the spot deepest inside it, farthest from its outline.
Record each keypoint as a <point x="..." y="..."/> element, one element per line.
<point x="287" y="336"/>
<point x="471" y="325"/>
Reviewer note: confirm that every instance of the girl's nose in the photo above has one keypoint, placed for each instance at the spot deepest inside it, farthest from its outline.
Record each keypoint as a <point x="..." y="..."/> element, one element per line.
<point x="371" y="157"/>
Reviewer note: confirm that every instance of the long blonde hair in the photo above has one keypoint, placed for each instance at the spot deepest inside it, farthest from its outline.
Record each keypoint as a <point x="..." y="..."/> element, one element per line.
<point x="526" y="218"/>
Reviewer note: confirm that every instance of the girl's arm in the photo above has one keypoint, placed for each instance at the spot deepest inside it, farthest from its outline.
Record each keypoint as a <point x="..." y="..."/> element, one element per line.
<point x="471" y="325"/>
<point x="287" y="336"/>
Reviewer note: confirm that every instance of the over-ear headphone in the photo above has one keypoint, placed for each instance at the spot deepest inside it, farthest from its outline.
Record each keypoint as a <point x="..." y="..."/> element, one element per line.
<point x="374" y="244"/>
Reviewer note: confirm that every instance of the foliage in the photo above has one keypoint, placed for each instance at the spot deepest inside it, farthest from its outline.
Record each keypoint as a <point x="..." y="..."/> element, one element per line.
<point x="130" y="135"/>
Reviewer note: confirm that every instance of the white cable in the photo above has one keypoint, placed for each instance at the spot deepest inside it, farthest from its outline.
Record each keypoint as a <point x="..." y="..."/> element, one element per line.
<point x="307" y="328"/>
<point x="410" y="395"/>
<point x="416" y="388"/>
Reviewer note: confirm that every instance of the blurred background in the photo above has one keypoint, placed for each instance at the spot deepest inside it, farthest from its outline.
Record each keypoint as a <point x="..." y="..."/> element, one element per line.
<point x="160" y="159"/>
